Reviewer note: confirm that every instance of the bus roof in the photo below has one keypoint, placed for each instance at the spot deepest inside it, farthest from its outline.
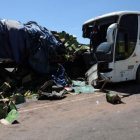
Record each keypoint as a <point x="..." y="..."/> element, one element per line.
<point x="109" y="15"/>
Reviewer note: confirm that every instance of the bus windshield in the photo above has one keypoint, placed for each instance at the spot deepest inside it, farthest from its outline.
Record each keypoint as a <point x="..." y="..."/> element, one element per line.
<point x="101" y="30"/>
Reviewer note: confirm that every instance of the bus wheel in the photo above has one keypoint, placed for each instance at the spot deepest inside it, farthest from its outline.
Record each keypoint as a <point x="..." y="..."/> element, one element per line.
<point x="138" y="75"/>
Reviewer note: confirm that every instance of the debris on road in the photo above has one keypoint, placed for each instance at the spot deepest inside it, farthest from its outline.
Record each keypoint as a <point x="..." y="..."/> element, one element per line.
<point x="53" y="94"/>
<point x="7" y="108"/>
<point x="69" y="89"/>
<point x="97" y="102"/>
<point x="18" y="98"/>
<point x="113" y="98"/>
<point x="89" y="89"/>
<point x="11" y="117"/>
<point x="37" y="64"/>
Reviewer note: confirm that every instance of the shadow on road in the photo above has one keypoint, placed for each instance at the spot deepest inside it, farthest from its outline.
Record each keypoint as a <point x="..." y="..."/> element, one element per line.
<point x="130" y="87"/>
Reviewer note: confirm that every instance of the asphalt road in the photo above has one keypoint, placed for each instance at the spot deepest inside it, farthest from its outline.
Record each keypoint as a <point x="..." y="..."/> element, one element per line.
<point x="79" y="117"/>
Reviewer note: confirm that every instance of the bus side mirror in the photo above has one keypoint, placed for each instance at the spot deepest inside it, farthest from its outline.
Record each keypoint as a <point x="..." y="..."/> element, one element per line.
<point x="110" y="32"/>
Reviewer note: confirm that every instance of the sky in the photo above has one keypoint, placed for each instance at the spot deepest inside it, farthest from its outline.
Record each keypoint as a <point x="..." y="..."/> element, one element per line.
<point x="59" y="15"/>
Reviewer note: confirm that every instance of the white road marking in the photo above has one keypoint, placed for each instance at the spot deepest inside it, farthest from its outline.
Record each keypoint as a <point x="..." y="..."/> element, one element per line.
<point x="46" y="105"/>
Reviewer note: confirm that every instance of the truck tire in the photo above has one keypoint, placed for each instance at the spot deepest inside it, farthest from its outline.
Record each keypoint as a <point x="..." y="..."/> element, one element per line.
<point x="138" y="75"/>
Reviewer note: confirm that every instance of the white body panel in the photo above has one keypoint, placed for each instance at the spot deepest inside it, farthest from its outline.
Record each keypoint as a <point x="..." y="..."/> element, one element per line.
<point x="125" y="70"/>
<point x="111" y="14"/>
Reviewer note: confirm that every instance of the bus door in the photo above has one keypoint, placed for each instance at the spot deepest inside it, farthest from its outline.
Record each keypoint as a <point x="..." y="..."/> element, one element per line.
<point x="125" y="56"/>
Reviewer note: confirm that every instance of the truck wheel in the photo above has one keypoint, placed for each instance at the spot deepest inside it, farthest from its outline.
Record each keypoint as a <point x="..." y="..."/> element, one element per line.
<point x="138" y="75"/>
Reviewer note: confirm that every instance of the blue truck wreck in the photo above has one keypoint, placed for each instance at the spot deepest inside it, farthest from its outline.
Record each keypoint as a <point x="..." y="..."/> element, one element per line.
<point x="31" y="45"/>
<point x="28" y="44"/>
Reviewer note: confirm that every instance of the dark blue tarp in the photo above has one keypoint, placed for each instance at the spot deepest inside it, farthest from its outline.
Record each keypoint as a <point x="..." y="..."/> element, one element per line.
<point x="28" y="43"/>
<point x="59" y="76"/>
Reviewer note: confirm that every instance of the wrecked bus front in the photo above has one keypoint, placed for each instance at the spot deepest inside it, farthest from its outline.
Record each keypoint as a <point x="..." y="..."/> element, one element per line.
<point x="101" y="50"/>
<point x="114" y="43"/>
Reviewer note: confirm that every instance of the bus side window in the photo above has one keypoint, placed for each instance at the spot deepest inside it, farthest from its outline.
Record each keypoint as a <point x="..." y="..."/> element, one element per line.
<point x="122" y="45"/>
<point x="127" y="37"/>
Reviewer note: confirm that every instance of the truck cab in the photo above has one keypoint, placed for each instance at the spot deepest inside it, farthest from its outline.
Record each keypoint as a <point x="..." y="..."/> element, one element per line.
<point x="115" y="46"/>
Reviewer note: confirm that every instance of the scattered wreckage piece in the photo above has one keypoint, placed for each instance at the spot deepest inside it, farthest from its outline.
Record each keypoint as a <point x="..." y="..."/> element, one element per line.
<point x="11" y="117"/>
<point x="78" y="87"/>
<point x="3" y="109"/>
<point x="89" y="89"/>
<point x="93" y="77"/>
<point x="113" y="98"/>
<point x="53" y="95"/>
<point x="8" y="111"/>
<point x="18" y="98"/>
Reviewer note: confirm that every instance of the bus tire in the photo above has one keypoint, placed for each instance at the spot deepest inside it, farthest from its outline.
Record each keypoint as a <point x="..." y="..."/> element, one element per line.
<point x="138" y="75"/>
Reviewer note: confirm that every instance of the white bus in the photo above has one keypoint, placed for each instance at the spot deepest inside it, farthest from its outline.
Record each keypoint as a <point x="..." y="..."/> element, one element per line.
<point x="115" y="44"/>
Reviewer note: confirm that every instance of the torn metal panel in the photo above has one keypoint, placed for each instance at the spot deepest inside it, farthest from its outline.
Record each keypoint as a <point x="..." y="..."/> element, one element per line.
<point x="92" y="74"/>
